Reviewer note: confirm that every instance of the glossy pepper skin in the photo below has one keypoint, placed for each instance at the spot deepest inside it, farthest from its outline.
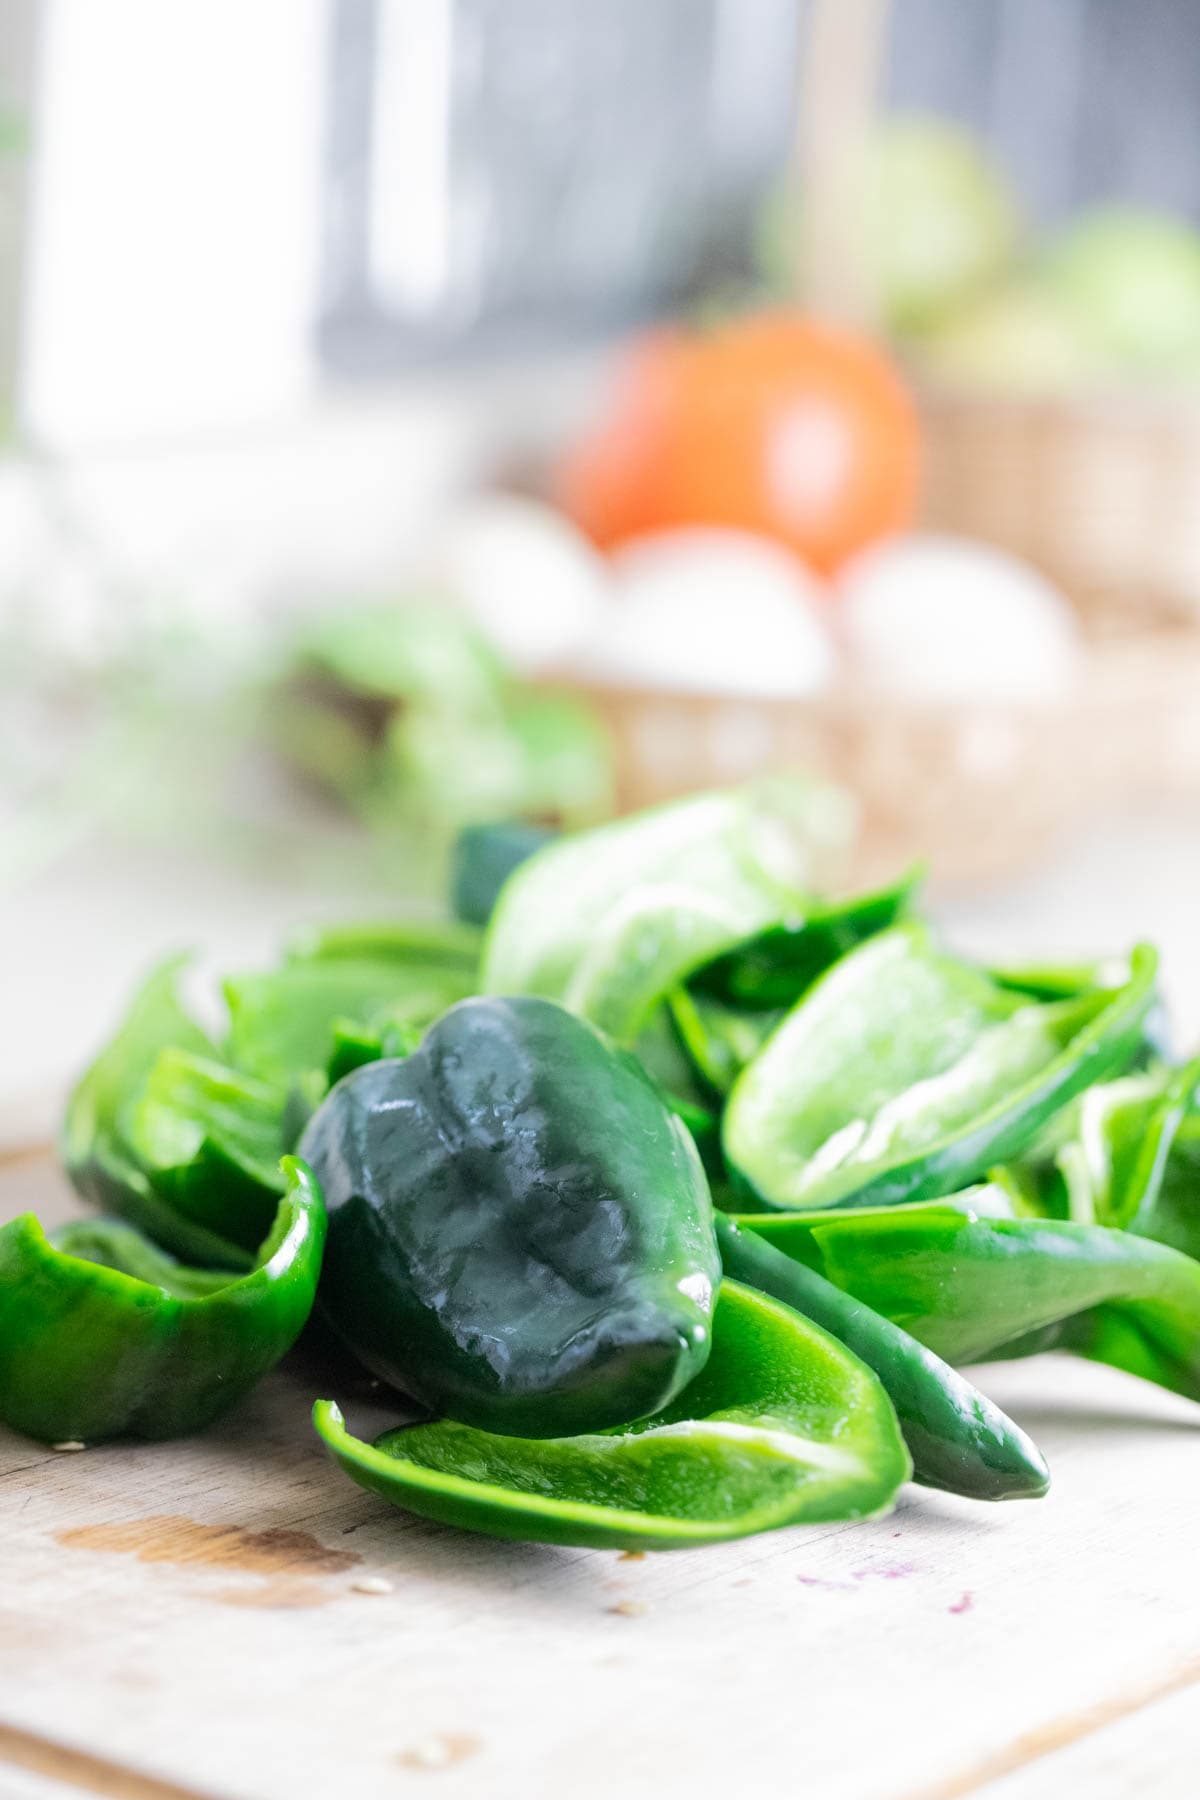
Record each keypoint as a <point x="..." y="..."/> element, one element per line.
<point x="957" y="1439"/>
<point x="971" y="1283"/>
<point x="521" y="1233"/>
<point x="783" y="1427"/>
<point x="779" y="965"/>
<point x="484" y="857"/>
<point x="103" y="1335"/>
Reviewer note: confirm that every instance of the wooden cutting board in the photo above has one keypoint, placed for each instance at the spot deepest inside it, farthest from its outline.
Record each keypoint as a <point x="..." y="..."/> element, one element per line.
<point x="230" y="1617"/>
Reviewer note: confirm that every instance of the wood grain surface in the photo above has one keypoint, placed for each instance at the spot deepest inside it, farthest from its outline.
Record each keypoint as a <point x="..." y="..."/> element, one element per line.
<point x="228" y="1618"/>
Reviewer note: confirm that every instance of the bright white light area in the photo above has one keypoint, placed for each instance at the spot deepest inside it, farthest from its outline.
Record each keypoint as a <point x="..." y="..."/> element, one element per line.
<point x="175" y="214"/>
<point x="410" y="168"/>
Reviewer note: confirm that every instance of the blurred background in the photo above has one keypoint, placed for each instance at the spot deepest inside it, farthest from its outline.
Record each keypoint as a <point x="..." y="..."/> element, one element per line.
<point x="416" y="412"/>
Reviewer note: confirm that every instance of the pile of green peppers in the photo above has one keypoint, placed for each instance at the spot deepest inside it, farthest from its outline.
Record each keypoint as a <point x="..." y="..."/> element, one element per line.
<point x="672" y="1197"/>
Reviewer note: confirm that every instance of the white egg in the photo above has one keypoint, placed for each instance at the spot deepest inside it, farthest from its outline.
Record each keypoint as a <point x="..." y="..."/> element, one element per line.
<point x="714" y="611"/>
<point x="943" y="618"/>
<point x="531" y="581"/>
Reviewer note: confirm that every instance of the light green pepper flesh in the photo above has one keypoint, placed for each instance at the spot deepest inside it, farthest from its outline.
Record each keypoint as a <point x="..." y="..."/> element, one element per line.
<point x="783" y="1426"/>
<point x="904" y="1073"/>
<point x="970" y="1286"/>
<point x="103" y="1335"/>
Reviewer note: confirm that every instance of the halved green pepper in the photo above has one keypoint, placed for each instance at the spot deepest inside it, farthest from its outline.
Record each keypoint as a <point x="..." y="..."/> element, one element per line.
<point x="904" y="1073"/>
<point x="783" y="1427"/>
<point x="183" y="1136"/>
<point x="209" y="1140"/>
<point x="520" y="1231"/>
<point x="104" y="1335"/>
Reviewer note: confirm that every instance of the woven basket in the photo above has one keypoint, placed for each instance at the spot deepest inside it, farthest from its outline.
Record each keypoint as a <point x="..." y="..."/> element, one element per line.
<point x="1101" y="492"/>
<point x="976" y="790"/>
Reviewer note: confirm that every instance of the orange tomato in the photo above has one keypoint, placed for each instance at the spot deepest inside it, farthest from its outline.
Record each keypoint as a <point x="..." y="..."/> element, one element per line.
<point x="774" y="423"/>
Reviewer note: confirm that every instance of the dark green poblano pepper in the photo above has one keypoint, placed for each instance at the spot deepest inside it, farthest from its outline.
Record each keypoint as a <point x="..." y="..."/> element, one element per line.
<point x="103" y="1335"/>
<point x="521" y="1232"/>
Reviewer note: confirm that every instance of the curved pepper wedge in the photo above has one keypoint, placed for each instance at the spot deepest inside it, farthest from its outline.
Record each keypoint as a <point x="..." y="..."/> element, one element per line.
<point x="520" y="1232"/>
<point x="144" y="1180"/>
<point x="904" y="1073"/>
<point x="608" y="921"/>
<point x="957" y="1439"/>
<point x="282" y="1020"/>
<point x="1132" y="1159"/>
<point x="103" y="1335"/>
<point x="971" y="1286"/>
<point x="774" y="969"/>
<point x="183" y="1135"/>
<point x="783" y="1426"/>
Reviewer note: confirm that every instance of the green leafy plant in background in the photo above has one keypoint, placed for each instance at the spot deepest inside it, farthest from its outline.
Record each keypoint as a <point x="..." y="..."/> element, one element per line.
<point x="408" y="715"/>
<point x="1113" y="296"/>
<point x="142" y="725"/>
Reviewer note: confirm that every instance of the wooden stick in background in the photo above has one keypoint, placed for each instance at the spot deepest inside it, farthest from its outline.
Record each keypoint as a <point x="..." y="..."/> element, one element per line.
<point x="841" y="60"/>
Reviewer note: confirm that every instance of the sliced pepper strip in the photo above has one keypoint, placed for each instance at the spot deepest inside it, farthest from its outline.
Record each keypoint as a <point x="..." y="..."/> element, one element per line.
<point x="282" y="1020"/>
<point x="970" y="1286"/>
<point x="957" y="1439"/>
<point x="450" y="949"/>
<point x="783" y="1426"/>
<point x="103" y="1335"/>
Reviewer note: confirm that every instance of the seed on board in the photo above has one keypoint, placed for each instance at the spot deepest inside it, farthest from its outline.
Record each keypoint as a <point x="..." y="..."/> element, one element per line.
<point x="69" y="1444"/>
<point x="442" y="1751"/>
<point x="372" y="1584"/>
<point x="628" y="1609"/>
